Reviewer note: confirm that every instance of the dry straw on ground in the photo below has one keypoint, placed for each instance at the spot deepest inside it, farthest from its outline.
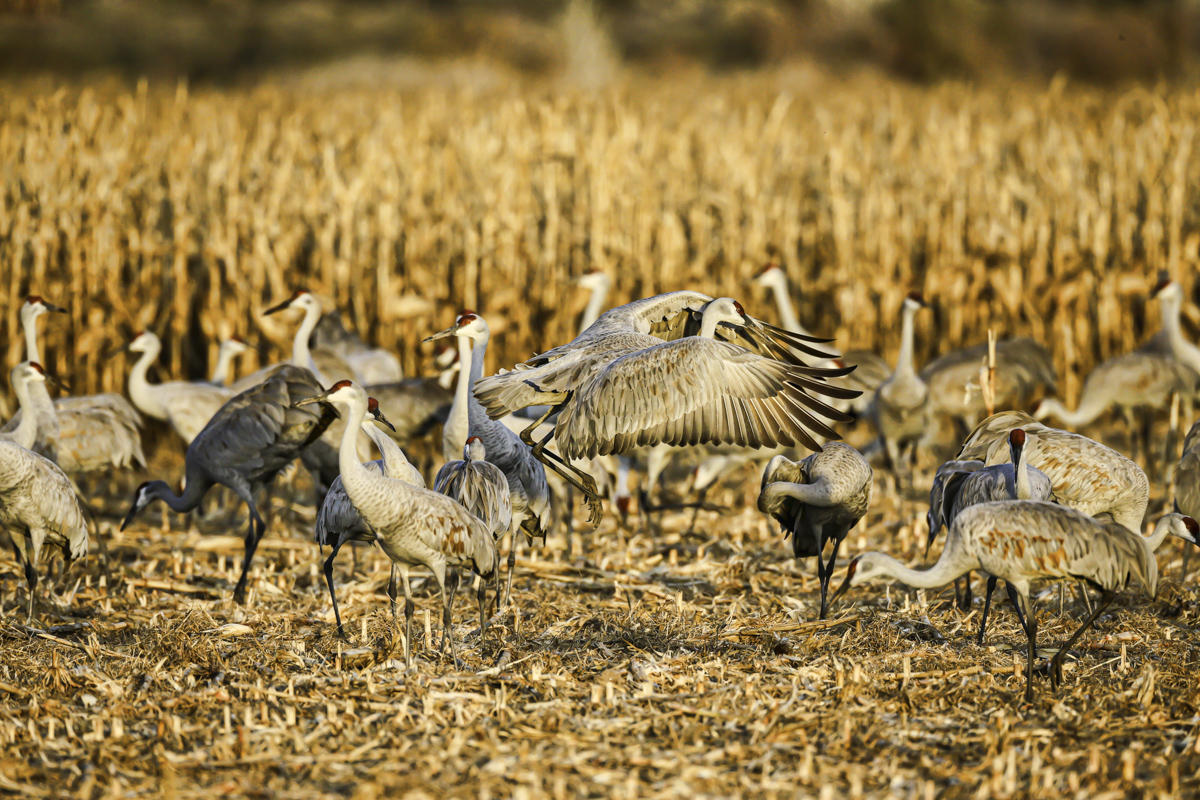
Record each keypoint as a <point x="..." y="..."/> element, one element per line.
<point x="668" y="666"/>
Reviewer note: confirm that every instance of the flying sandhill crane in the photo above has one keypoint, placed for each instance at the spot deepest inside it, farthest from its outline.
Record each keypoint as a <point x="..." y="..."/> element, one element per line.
<point x="24" y="377"/>
<point x="871" y="369"/>
<point x="1084" y="474"/>
<point x="959" y="484"/>
<point x="230" y="349"/>
<point x="816" y="500"/>
<point x="953" y="380"/>
<point x="662" y="370"/>
<point x="415" y="527"/>
<point x="1137" y="384"/>
<point x="1021" y="541"/>
<point x="525" y="474"/>
<point x="370" y="364"/>
<point x="186" y="406"/>
<point x="481" y="488"/>
<point x="244" y="446"/>
<point x="900" y="401"/>
<point x="81" y="434"/>
<point x="339" y="522"/>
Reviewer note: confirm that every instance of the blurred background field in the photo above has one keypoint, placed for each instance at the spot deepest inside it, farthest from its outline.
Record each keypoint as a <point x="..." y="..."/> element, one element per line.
<point x="181" y="166"/>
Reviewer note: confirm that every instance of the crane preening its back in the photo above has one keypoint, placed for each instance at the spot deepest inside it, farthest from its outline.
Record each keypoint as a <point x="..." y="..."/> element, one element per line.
<point x="678" y="369"/>
<point x="1020" y="541"/>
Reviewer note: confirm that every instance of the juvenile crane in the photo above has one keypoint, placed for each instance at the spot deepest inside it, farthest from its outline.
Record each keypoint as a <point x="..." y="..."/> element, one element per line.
<point x="528" y="491"/>
<point x="244" y="446"/>
<point x="816" y="500"/>
<point x="959" y="484"/>
<point x="663" y="370"/>
<point x="1021" y="541"/>
<point x="415" y="527"/>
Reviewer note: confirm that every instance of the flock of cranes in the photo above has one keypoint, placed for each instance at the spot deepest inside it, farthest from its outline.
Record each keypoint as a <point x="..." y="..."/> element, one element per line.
<point x="677" y="372"/>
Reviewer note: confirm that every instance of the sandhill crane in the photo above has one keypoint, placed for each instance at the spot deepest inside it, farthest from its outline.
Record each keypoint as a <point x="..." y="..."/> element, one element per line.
<point x="81" y="434"/>
<point x="1134" y="382"/>
<point x="900" y="400"/>
<point x="959" y="484"/>
<point x="872" y="369"/>
<point x="325" y="364"/>
<point x="415" y="405"/>
<point x="370" y="364"/>
<point x="661" y="370"/>
<point x="1187" y="482"/>
<point x="339" y="522"/>
<point x="186" y="406"/>
<point x="953" y="380"/>
<point x="415" y="527"/>
<point x="24" y="377"/>
<point x="1021" y="541"/>
<point x="38" y="501"/>
<point x="230" y="349"/>
<point x="244" y="446"/>
<point x="1084" y="474"/>
<point x="818" y="499"/>
<point x="1170" y="342"/>
<point x="525" y="474"/>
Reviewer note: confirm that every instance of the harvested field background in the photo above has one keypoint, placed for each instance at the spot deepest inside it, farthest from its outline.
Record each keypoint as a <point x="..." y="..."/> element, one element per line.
<point x="661" y="666"/>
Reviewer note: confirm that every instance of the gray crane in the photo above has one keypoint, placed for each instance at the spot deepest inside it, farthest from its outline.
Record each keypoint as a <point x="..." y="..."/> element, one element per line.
<point x="186" y="406"/>
<point x="1138" y="385"/>
<point x="339" y="522"/>
<point x="1187" y="482"/>
<point x="818" y="499"/>
<point x="900" y="401"/>
<point x="244" y="446"/>
<point x="529" y="493"/>
<point x="370" y="364"/>
<point x="959" y="484"/>
<point x="663" y="370"/>
<point x="414" y="526"/>
<point x="1084" y="474"/>
<point x="24" y="377"/>
<point x="230" y="349"/>
<point x="1020" y="541"/>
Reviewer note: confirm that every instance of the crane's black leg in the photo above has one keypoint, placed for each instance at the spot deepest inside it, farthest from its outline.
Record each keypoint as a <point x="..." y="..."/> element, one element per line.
<point x="987" y="604"/>
<point x="1031" y="632"/>
<point x="513" y="542"/>
<point x="1015" y="599"/>
<point x="574" y="476"/>
<point x="968" y="597"/>
<point x="332" y="594"/>
<point x="409" y="607"/>
<point x="253" y="536"/>
<point x="696" y="512"/>
<point x="481" y="597"/>
<point x="828" y="574"/>
<point x="31" y="576"/>
<point x="449" y="586"/>
<point x="1056" y="661"/>
<point x="391" y="593"/>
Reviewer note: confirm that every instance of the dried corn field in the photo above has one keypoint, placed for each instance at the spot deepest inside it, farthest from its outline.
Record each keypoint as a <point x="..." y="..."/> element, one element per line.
<point x="662" y="665"/>
<point x="1045" y="212"/>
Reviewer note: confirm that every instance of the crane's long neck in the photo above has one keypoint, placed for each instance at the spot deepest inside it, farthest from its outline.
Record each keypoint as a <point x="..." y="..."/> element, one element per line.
<point x="197" y="485"/>
<point x="595" y="306"/>
<point x="1161" y="531"/>
<point x="301" y="356"/>
<point x="26" y="433"/>
<point x="141" y="391"/>
<point x="819" y="492"/>
<point x="787" y="311"/>
<point x="362" y="485"/>
<point x="457" y="425"/>
<point x="904" y="362"/>
<point x="1091" y="405"/>
<point x="1170" y="308"/>
<point x="1021" y="472"/>
<point x="395" y="463"/>
<point x="940" y="574"/>
<point x="708" y="322"/>
<point x="29" y="323"/>
<point x="220" y="373"/>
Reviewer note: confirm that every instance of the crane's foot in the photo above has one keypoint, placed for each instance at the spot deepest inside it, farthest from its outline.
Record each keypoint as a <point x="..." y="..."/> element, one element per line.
<point x="341" y="634"/>
<point x="1055" y="671"/>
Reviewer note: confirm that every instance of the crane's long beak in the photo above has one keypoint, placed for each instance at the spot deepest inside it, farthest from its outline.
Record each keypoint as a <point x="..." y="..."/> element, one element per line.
<point x="274" y="309"/>
<point x="379" y="417"/>
<point x="56" y="383"/>
<point x="310" y="400"/>
<point x="54" y="308"/>
<point x="842" y="589"/>
<point x="929" y="542"/>
<point x="442" y="334"/>
<point x="132" y="513"/>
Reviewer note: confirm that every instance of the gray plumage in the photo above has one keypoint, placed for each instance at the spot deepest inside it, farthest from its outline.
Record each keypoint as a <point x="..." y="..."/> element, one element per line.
<point x="1084" y="474"/>
<point x="900" y="401"/>
<point x="244" y="446"/>
<point x="229" y="349"/>
<point x="479" y="486"/>
<point x="818" y="499"/>
<point x="1021" y="541"/>
<point x="186" y="406"/>
<point x="23" y="377"/>
<point x="370" y="365"/>
<point x="953" y="380"/>
<point x="38" y="502"/>
<point x="414" y="405"/>
<point x="1187" y="474"/>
